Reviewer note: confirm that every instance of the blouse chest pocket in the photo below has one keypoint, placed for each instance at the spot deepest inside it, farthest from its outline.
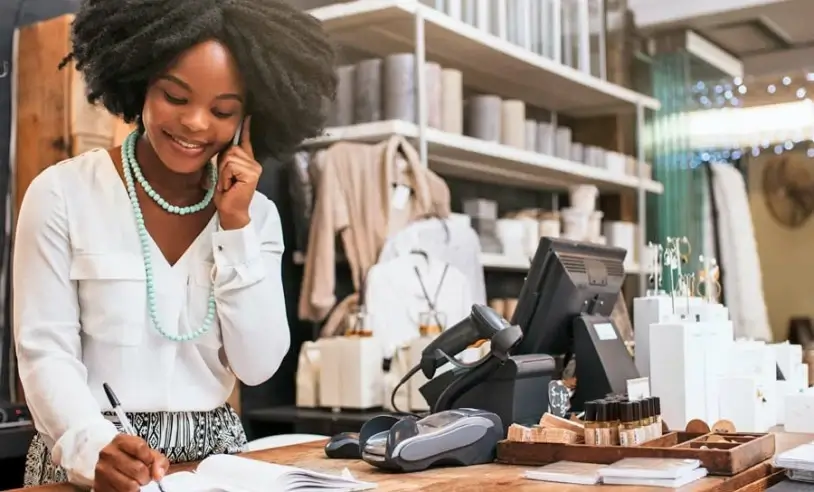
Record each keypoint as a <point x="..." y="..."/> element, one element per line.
<point x="112" y="296"/>
<point x="198" y="305"/>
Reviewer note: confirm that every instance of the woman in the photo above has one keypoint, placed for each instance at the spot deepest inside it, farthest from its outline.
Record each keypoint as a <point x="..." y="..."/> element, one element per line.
<point x="155" y="267"/>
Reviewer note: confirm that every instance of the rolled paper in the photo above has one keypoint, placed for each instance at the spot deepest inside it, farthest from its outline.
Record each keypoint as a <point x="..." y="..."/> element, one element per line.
<point x="343" y="104"/>
<point x="434" y="84"/>
<point x="368" y="91"/>
<point x="513" y="123"/>
<point x="399" y="87"/>
<point x="452" y="101"/>
<point x="483" y="117"/>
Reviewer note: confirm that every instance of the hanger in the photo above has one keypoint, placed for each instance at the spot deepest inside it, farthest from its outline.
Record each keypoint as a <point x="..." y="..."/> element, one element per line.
<point x="397" y="172"/>
<point x="446" y="228"/>
<point x="420" y="252"/>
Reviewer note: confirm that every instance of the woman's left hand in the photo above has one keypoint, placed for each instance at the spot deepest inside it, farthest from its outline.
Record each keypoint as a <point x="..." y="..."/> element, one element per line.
<point x="238" y="173"/>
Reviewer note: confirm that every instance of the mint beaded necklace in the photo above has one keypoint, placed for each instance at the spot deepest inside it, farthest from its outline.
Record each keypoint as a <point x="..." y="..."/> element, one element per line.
<point x="131" y="167"/>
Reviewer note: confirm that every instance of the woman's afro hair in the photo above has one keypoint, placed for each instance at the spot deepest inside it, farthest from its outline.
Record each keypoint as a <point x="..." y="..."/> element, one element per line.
<point x="284" y="56"/>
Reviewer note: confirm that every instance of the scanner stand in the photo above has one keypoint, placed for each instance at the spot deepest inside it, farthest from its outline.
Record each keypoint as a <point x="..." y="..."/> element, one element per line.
<point x="603" y="363"/>
<point x="514" y="389"/>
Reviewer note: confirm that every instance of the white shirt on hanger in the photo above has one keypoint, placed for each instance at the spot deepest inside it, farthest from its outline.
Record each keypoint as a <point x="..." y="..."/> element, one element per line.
<point x="452" y="241"/>
<point x="394" y="299"/>
<point x="80" y="309"/>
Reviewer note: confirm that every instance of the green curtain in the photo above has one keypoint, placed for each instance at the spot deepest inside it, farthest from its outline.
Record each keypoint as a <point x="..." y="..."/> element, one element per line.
<point x="678" y="212"/>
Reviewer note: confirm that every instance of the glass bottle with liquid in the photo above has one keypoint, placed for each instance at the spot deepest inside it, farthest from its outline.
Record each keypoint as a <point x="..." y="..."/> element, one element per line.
<point x="590" y="423"/>
<point x="627" y="425"/>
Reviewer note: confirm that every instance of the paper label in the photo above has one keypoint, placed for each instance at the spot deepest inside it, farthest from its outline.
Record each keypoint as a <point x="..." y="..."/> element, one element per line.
<point x="605" y="331"/>
<point x="400" y="196"/>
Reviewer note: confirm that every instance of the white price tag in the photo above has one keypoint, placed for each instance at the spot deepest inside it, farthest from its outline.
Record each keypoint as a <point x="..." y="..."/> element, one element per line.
<point x="638" y="388"/>
<point x="400" y="197"/>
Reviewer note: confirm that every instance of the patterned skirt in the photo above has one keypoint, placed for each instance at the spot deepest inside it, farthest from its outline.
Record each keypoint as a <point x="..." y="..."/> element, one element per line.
<point x="180" y="436"/>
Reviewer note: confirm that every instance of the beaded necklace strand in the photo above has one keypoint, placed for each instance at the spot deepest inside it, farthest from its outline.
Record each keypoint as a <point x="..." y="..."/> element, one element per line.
<point x="130" y="167"/>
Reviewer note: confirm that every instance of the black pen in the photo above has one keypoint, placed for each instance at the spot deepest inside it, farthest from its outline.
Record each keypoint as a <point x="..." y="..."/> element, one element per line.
<point x="127" y="427"/>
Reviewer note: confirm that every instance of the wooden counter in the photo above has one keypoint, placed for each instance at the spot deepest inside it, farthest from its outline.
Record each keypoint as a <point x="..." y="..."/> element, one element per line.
<point x="470" y="479"/>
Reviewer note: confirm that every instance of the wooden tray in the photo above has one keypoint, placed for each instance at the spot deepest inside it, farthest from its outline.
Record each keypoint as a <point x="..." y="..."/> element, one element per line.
<point x="720" y="458"/>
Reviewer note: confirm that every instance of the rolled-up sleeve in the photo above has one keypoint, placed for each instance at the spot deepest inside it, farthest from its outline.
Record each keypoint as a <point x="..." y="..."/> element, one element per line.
<point x="249" y="295"/>
<point x="47" y="333"/>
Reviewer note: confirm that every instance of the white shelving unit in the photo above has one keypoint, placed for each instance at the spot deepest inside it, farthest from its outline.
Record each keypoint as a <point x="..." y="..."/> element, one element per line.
<point x="475" y="159"/>
<point x="490" y="65"/>
<point x="491" y="261"/>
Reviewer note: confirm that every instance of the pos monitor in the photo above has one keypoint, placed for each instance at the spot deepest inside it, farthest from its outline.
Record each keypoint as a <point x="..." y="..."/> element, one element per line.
<point x="564" y="309"/>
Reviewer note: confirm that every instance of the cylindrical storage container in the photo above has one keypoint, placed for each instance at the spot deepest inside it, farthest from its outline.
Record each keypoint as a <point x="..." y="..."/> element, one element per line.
<point x="545" y="138"/>
<point x="367" y="95"/>
<point x="513" y="123"/>
<point x="595" y="225"/>
<point x="575" y="224"/>
<point x="531" y="235"/>
<point x="550" y="225"/>
<point x="452" y="101"/>
<point x="510" y="233"/>
<point x="577" y="152"/>
<point x="399" y="95"/>
<point x="531" y="136"/>
<point x="483" y="117"/>
<point x="562" y="145"/>
<point x="583" y="197"/>
<point x="434" y="84"/>
<point x="344" y="104"/>
<point x="623" y="235"/>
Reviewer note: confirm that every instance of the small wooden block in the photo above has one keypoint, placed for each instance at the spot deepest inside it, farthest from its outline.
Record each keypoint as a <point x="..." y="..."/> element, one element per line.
<point x="556" y="436"/>
<point x="697" y="426"/>
<point x="519" y="433"/>
<point x="723" y="427"/>
<point x="549" y="421"/>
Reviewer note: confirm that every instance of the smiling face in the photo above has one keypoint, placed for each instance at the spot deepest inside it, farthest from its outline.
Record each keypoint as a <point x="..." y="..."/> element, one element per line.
<point x="192" y="110"/>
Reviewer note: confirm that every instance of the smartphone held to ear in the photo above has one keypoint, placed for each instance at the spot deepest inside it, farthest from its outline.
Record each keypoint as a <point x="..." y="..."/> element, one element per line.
<point x="238" y="134"/>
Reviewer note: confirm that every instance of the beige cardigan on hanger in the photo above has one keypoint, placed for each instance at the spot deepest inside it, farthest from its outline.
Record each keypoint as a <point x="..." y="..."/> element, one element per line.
<point x="353" y="200"/>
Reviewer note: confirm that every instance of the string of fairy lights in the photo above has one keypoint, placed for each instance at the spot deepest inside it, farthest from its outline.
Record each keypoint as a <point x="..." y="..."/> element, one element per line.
<point x="736" y="93"/>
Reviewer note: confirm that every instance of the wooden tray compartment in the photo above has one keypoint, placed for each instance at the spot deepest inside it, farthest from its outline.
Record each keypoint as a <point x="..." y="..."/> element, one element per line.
<point x="741" y="451"/>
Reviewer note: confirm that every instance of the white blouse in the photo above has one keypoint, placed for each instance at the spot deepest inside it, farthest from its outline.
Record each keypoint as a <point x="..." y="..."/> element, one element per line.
<point x="80" y="310"/>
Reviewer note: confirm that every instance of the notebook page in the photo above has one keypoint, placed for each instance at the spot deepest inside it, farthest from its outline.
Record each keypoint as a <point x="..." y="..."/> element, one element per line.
<point x="250" y="475"/>
<point x="189" y="482"/>
<point x="258" y="476"/>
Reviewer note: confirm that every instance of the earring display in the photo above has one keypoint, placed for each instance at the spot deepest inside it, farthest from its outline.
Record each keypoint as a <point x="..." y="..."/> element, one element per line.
<point x="656" y="266"/>
<point x="676" y="254"/>
<point x="708" y="283"/>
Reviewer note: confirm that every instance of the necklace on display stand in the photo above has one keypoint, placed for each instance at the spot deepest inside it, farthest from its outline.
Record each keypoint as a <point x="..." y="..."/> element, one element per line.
<point x="130" y="167"/>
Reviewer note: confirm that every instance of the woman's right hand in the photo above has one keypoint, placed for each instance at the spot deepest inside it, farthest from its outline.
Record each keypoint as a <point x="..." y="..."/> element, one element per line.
<point x="128" y="463"/>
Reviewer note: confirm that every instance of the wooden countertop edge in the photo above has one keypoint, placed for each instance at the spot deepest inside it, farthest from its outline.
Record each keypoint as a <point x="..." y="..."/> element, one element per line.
<point x="756" y="479"/>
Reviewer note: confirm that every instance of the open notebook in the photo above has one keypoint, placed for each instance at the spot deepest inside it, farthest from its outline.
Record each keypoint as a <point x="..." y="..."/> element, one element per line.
<point x="225" y="473"/>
